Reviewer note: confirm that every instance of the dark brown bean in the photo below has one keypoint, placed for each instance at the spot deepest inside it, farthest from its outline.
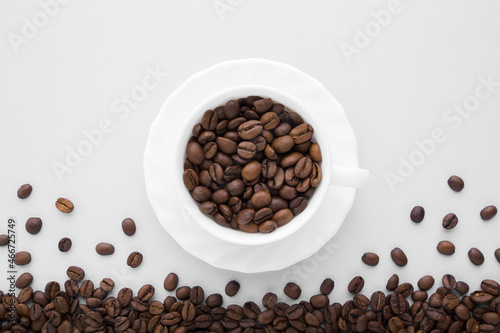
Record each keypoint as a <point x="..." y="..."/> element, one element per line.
<point x="250" y="129"/>
<point x="251" y="171"/>
<point x="263" y="105"/>
<point x="456" y="183"/>
<point x="399" y="257"/>
<point x="282" y="144"/>
<point x="449" y="282"/>
<point x="292" y="290"/>
<point x="268" y="226"/>
<point x="476" y="256"/>
<point x="327" y="286"/>
<point x="24" y="191"/>
<point x="393" y="282"/>
<point x="134" y="259"/>
<point x="446" y="248"/>
<point x="75" y="273"/>
<point x="450" y="221"/>
<point x="370" y="258"/>
<point x="302" y="133"/>
<point x="232" y="288"/>
<point x="270" y="120"/>
<point x="269" y="300"/>
<point x="24" y="280"/>
<point x="417" y="214"/>
<point x="105" y="249"/>
<point x="356" y="285"/>
<point x="33" y="225"/>
<point x="488" y="212"/>
<point x="22" y="258"/>
<point x="315" y="152"/>
<point x="426" y="282"/>
<point x="64" y="244"/>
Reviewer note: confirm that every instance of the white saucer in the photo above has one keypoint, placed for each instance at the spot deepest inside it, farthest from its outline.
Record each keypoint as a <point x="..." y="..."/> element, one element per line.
<point x="176" y="221"/>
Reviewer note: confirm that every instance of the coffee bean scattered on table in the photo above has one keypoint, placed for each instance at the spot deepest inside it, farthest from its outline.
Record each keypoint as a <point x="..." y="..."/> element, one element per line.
<point x="450" y="221"/>
<point x="232" y="288"/>
<point x="497" y="254"/>
<point x="134" y="259"/>
<point x="171" y="282"/>
<point x="426" y="282"/>
<point x="399" y="257"/>
<point x="128" y="226"/>
<point x="24" y="280"/>
<point x="292" y="290"/>
<point x="105" y="249"/>
<point x="488" y="212"/>
<point x="446" y="247"/>
<point x="417" y="214"/>
<point x="456" y="183"/>
<point x="22" y="258"/>
<point x="356" y="285"/>
<point x="252" y="165"/>
<point x="393" y="282"/>
<point x="75" y="273"/>
<point x="370" y="258"/>
<point x="64" y="205"/>
<point x="24" y="191"/>
<point x="33" y="225"/>
<point x="327" y="286"/>
<point x="64" y="244"/>
<point x="476" y="256"/>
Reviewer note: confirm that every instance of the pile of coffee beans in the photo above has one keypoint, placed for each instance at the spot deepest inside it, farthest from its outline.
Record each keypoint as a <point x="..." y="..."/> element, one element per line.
<point x="252" y="165"/>
<point x="79" y="305"/>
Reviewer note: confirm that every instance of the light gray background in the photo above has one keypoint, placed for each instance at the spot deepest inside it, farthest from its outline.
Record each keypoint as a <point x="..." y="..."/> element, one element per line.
<point x="397" y="89"/>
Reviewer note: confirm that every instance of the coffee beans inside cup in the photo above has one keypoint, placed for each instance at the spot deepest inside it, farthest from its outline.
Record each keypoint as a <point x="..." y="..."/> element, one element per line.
<point x="252" y="165"/>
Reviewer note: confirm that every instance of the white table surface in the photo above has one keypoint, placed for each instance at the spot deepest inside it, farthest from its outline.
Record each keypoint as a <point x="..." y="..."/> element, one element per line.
<point x="69" y="74"/>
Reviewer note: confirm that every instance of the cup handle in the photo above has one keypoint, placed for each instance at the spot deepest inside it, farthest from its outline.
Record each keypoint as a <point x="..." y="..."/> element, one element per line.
<point x="350" y="177"/>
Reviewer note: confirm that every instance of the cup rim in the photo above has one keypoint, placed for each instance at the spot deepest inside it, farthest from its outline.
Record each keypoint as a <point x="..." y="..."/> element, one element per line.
<point x="291" y="103"/>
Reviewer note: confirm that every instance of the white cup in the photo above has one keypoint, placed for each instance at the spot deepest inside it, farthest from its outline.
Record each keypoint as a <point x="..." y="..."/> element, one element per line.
<point x="332" y="174"/>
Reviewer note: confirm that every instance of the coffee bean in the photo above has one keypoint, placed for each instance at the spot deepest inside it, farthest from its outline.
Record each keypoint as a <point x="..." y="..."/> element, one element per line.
<point x="209" y="120"/>
<point x="4" y="239"/>
<point x="105" y="249"/>
<point x="356" y="285"/>
<point x="201" y="193"/>
<point x="319" y="301"/>
<point x="282" y="217"/>
<point x="497" y="254"/>
<point x="393" y="282"/>
<point x="33" y="225"/>
<point x="191" y="179"/>
<point x="303" y="168"/>
<point x="64" y="205"/>
<point x="417" y="214"/>
<point x="270" y="120"/>
<point x="456" y="183"/>
<point x="75" y="273"/>
<point x="405" y="289"/>
<point x="426" y="282"/>
<point x="302" y="133"/>
<point x="488" y="212"/>
<point x="446" y="248"/>
<point x="128" y="226"/>
<point x="462" y="288"/>
<point x="22" y="258"/>
<point x="245" y="216"/>
<point x="269" y="300"/>
<point x="232" y="288"/>
<point x="282" y="144"/>
<point x="195" y="153"/>
<point x="227" y="146"/>
<point x="24" y="280"/>
<point x="327" y="286"/>
<point x="370" y="258"/>
<point x="450" y="221"/>
<point x="399" y="257"/>
<point x="134" y="259"/>
<point x="263" y="105"/>
<point x="231" y="109"/>
<point x="298" y="205"/>
<point x="268" y="226"/>
<point x="292" y="290"/>
<point x="24" y="191"/>
<point x="251" y="171"/>
<point x="64" y="244"/>
<point x="146" y="292"/>
<point x="246" y="149"/>
<point x="449" y="282"/>
<point x="107" y="284"/>
<point x="250" y="129"/>
<point x="476" y="256"/>
<point x="282" y="129"/>
<point x="51" y="289"/>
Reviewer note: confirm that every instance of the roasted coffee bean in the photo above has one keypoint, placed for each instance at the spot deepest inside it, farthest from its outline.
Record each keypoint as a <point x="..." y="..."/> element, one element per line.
<point x="51" y="289"/>
<point x="220" y="196"/>
<point x="105" y="249"/>
<point x="24" y="191"/>
<point x="398" y="304"/>
<point x="231" y="109"/>
<point x="214" y="300"/>
<point x="288" y="192"/>
<point x="269" y="168"/>
<point x="197" y="295"/>
<point x="86" y="289"/>
<point x="370" y="258"/>
<point x="377" y="301"/>
<point x="246" y="149"/>
<point x="315" y="152"/>
<point x="456" y="183"/>
<point x="33" y="225"/>
<point x="399" y="257"/>
<point x="298" y="205"/>
<point x="303" y="168"/>
<point x="250" y="129"/>
<point x="209" y="149"/>
<point x="302" y="133"/>
<point x="22" y="258"/>
<point x="393" y="282"/>
<point x="497" y="254"/>
<point x="405" y="289"/>
<point x="488" y="213"/>
<point x="417" y="214"/>
<point x="260" y="199"/>
<point x="24" y="280"/>
<point x="134" y="259"/>
<point x="316" y="175"/>
<point x="269" y="300"/>
<point x="225" y="145"/>
<point x="446" y="247"/>
<point x="64" y="205"/>
<point x="491" y="287"/>
<point x="292" y="290"/>
<point x="64" y="244"/>
<point x="245" y="216"/>
<point x="201" y="193"/>
<point x="278" y="180"/>
<point x="270" y="120"/>
<point x="235" y="188"/>
<point x="75" y="273"/>
<point x="208" y="207"/>
<point x="263" y="104"/>
<point x="195" y="153"/>
<point x="107" y="284"/>
<point x="232" y="288"/>
<point x="251" y="310"/>
<point x="251" y="171"/>
<point x="270" y="153"/>
<point x="462" y="288"/>
<point x="282" y="144"/>
<point x="191" y="179"/>
<point x="476" y="256"/>
<point x="449" y="282"/>
<point x="450" y="221"/>
<point x="209" y="120"/>
<point x="282" y="129"/>
<point x="291" y="159"/>
<point x="426" y="282"/>
<point x="146" y="292"/>
<point x="356" y="285"/>
<point x="268" y="226"/>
